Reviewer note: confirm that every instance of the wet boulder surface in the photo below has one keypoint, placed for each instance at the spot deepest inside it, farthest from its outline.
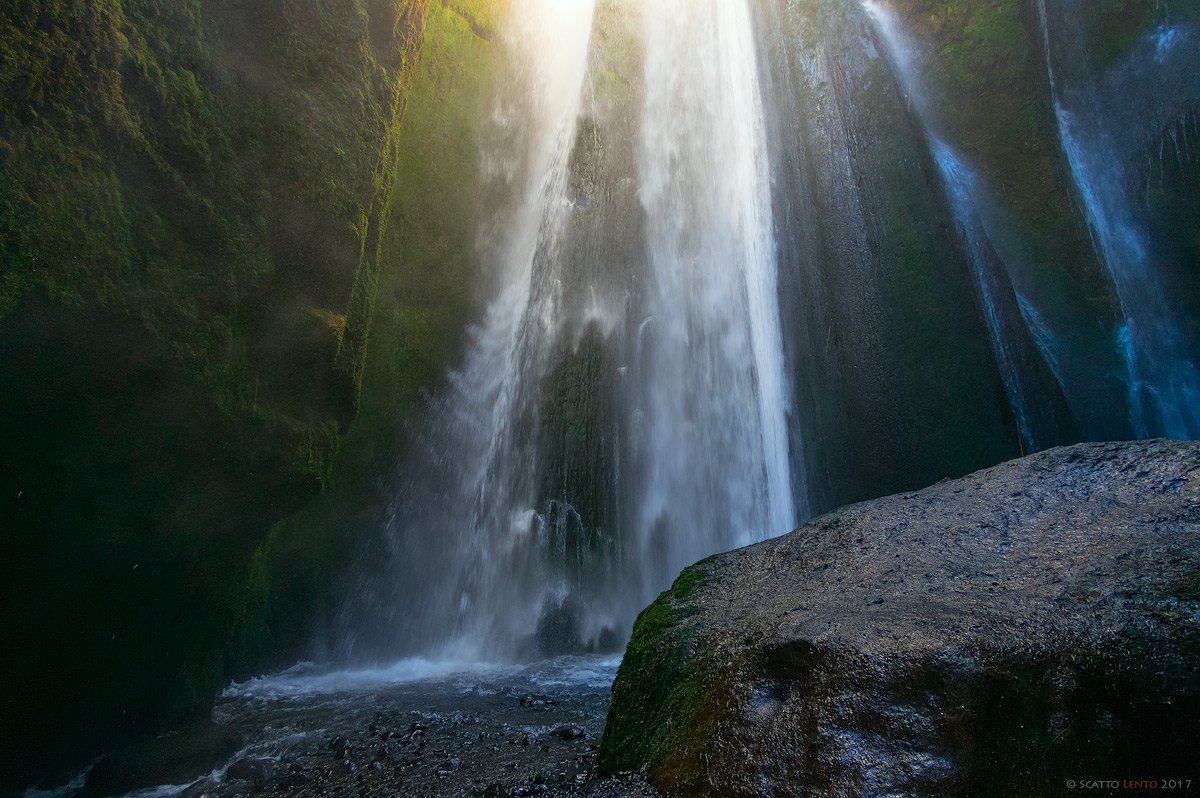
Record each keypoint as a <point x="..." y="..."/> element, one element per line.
<point x="1017" y="632"/>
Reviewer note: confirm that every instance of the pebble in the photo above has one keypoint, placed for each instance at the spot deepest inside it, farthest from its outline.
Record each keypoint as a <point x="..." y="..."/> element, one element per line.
<point x="537" y="701"/>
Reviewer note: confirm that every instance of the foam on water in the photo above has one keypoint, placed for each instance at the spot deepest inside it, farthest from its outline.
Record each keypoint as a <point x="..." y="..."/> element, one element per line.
<point x="76" y="784"/>
<point x="576" y="672"/>
<point x="306" y="679"/>
<point x="70" y="788"/>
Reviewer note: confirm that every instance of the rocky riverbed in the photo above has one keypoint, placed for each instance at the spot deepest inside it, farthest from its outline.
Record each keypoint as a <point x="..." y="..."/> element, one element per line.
<point x="412" y="729"/>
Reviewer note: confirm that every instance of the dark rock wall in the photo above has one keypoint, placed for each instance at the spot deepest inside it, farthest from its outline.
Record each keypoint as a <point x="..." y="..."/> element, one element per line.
<point x="319" y="561"/>
<point x="192" y="199"/>
<point x="985" y="66"/>
<point x="895" y="383"/>
<point x="986" y="70"/>
<point x="584" y="440"/>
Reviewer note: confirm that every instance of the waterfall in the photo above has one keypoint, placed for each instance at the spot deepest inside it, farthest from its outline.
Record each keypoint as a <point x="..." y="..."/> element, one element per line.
<point x="718" y="294"/>
<point x="463" y="574"/>
<point x="1103" y="122"/>
<point x="476" y="563"/>
<point x="712" y="409"/>
<point x="961" y="183"/>
<point x="1003" y="307"/>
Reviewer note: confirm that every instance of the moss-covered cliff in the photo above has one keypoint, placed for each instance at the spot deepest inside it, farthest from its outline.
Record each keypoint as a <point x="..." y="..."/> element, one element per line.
<point x="193" y="197"/>
<point x="426" y="298"/>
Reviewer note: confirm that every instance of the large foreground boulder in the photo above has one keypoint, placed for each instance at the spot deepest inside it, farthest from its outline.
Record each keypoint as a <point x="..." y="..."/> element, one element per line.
<point x="1025" y="631"/>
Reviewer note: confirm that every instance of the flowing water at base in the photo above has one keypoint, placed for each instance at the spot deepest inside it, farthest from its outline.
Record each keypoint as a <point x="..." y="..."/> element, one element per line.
<point x="413" y="728"/>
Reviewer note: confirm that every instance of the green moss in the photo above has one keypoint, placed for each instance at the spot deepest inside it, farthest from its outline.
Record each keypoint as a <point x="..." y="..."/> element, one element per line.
<point x="144" y="173"/>
<point x="632" y="735"/>
<point x="421" y="282"/>
<point x="669" y="700"/>
<point x="688" y="579"/>
<point x="666" y="695"/>
<point x="197" y="192"/>
<point x="427" y="250"/>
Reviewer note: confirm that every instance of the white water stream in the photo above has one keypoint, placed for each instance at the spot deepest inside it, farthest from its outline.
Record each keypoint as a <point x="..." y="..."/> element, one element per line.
<point x="476" y="560"/>
<point x="711" y="420"/>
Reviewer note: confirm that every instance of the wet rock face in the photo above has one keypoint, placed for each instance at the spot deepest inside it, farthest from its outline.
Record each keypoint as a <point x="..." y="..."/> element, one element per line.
<point x="1000" y="635"/>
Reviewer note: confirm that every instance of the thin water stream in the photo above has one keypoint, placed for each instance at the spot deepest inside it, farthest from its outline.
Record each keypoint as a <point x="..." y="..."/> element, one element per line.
<point x="1005" y="310"/>
<point x="1105" y="123"/>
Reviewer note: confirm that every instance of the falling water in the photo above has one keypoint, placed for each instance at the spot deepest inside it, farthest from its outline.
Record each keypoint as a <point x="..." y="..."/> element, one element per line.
<point x="962" y="186"/>
<point x="463" y="574"/>
<point x="475" y="565"/>
<point x="711" y="413"/>
<point x="1101" y="121"/>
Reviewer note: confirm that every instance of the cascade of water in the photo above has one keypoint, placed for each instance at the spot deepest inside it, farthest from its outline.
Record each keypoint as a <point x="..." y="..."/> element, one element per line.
<point x="711" y="403"/>
<point x="465" y="573"/>
<point x="1101" y="120"/>
<point x="962" y="186"/>
<point x="478" y="559"/>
